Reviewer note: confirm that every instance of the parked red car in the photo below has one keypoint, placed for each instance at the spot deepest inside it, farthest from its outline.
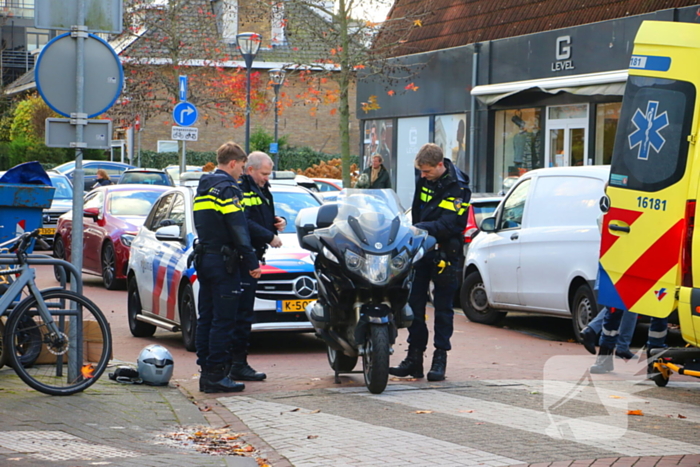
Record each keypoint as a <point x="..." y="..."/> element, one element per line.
<point x="112" y="217"/>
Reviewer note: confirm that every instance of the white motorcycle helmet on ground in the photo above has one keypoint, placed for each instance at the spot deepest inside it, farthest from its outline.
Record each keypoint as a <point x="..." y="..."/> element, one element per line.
<point x="155" y="365"/>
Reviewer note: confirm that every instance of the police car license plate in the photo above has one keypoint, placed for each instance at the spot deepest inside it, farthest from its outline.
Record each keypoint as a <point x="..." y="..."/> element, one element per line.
<point x="47" y="231"/>
<point x="292" y="306"/>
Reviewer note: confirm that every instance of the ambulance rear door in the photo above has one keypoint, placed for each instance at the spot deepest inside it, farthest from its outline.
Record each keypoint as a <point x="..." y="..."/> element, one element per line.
<point x="643" y="231"/>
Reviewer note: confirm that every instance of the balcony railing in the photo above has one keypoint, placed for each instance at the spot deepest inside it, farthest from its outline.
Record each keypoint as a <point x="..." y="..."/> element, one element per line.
<point x="17" y="59"/>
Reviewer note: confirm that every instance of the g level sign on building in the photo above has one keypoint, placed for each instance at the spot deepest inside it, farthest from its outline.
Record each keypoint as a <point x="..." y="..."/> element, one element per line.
<point x="185" y="114"/>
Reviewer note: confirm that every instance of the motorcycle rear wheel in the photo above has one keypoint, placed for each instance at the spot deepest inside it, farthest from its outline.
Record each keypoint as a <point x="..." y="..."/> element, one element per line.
<point x="375" y="360"/>
<point x="344" y="363"/>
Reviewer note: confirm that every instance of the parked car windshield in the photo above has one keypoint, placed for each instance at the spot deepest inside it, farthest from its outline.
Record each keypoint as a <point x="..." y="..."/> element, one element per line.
<point x="64" y="190"/>
<point x="63" y="168"/>
<point x="145" y="178"/>
<point x="288" y="205"/>
<point x="131" y="203"/>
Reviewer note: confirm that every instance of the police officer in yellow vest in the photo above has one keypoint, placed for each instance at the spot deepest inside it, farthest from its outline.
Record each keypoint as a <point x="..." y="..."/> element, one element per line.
<point x="263" y="226"/>
<point x="223" y="249"/>
<point x="440" y="205"/>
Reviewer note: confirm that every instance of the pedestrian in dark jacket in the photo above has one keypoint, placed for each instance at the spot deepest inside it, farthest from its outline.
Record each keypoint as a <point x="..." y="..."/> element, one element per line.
<point x="377" y="173"/>
<point x="440" y="206"/>
<point x="263" y="226"/>
<point x="102" y="179"/>
<point x="224" y="249"/>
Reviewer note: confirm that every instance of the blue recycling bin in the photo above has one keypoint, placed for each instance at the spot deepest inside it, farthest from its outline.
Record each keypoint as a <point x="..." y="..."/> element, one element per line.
<point x="21" y="208"/>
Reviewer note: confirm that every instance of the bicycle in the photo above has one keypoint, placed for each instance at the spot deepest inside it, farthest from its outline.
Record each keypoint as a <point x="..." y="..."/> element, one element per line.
<point x="56" y="340"/>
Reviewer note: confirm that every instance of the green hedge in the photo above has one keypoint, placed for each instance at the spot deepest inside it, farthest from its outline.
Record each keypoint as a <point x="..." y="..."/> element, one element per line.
<point x="16" y="152"/>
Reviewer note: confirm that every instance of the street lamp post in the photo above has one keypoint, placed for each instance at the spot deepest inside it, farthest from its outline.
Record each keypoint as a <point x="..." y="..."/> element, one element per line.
<point x="248" y="44"/>
<point x="277" y="78"/>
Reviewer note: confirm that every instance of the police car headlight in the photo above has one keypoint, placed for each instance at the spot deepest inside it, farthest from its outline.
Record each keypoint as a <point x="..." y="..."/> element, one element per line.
<point x="127" y="239"/>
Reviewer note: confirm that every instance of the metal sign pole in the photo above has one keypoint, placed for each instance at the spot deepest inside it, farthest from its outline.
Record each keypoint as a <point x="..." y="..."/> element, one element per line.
<point x="183" y="162"/>
<point x="79" y="32"/>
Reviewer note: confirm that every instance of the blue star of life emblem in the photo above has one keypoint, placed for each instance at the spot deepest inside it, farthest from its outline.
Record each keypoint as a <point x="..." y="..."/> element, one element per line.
<point x="648" y="130"/>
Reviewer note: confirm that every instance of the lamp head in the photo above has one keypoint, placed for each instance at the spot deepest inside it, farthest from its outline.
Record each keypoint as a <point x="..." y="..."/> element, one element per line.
<point x="277" y="76"/>
<point x="248" y="44"/>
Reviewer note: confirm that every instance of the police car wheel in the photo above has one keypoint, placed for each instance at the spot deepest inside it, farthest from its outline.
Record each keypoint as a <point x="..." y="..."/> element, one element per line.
<point x="188" y="318"/>
<point x="583" y="309"/>
<point x="137" y="328"/>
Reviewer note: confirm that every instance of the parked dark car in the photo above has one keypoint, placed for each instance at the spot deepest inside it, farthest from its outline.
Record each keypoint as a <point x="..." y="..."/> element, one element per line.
<point x="90" y="167"/>
<point x="146" y="177"/>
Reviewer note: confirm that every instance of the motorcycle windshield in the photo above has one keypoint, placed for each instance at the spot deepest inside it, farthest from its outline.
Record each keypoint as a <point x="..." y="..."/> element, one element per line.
<point x="372" y="218"/>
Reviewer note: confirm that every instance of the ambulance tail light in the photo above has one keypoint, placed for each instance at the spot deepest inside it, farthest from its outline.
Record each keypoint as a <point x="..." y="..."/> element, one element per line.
<point x="687" y="254"/>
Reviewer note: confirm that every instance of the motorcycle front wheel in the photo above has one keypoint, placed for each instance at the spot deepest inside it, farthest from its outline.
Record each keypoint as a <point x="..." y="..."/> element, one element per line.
<point x="375" y="360"/>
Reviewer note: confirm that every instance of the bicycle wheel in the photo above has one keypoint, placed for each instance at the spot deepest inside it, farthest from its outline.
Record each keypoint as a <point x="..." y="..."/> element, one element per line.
<point x="68" y="363"/>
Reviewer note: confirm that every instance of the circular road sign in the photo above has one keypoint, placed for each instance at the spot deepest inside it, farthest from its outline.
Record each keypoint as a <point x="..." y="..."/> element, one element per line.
<point x="185" y="114"/>
<point x="55" y="74"/>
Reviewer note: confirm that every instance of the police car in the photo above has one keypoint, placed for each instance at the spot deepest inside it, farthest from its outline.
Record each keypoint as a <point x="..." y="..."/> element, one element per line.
<point x="163" y="290"/>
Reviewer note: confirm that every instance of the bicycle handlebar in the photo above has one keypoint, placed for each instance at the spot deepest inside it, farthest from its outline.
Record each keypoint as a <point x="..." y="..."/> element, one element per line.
<point x="22" y="242"/>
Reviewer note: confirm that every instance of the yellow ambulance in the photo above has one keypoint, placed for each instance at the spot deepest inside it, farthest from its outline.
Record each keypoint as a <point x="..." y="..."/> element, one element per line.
<point x="649" y="256"/>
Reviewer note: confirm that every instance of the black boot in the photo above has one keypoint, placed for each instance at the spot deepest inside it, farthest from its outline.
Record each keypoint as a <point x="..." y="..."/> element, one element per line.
<point x="214" y="380"/>
<point x="411" y="366"/>
<point x="589" y="338"/>
<point x="604" y="361"/>
<point x="437" y="369"/>
<point x="242" y="371"/>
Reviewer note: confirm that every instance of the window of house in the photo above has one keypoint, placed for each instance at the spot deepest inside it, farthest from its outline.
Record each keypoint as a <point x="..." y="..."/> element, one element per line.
<point x="518" y="145"/>
<point x="606" y="118"/>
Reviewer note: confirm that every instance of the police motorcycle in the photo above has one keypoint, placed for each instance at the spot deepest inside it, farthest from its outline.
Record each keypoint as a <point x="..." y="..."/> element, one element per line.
<point x="364" y="248"/>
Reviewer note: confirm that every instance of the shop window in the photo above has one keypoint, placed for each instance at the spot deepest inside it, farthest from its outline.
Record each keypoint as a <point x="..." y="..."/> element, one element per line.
<point x="518" y="145"/>
<point x="606" y="118"/>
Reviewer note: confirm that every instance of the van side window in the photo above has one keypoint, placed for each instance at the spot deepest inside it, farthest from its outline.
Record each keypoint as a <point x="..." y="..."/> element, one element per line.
<point x="514" y="206"/>
<point x="651" y="144"/>
<point x="565" y="201"/>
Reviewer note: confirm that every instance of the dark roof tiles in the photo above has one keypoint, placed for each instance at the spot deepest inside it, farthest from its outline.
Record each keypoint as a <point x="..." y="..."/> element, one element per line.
<point x="460" y="22"/>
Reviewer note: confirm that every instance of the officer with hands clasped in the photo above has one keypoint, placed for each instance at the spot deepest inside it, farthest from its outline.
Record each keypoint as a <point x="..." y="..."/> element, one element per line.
<point x="263" y="226"/>
<point x="440" y="206"/>
<point x="224" y="243"/>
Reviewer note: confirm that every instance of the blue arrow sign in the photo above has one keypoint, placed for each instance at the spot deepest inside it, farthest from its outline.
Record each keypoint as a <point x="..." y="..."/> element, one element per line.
<point x="185" y="114"/>
<point x="183" y="87"/>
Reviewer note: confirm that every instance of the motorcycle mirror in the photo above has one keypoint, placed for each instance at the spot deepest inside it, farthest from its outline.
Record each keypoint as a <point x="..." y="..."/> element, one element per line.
<point x="429" y="243"/>
<point x="311" y="243"/>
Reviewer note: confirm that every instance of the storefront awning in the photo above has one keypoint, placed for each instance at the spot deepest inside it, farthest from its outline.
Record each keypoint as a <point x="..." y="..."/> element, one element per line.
<point x="609" y="83"/>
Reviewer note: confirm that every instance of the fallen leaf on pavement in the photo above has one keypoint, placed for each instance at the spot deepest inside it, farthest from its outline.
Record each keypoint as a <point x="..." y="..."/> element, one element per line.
<point x="635" y="412"/>
<point x="402" y="379"/>
<point x="615" y="397"/>
<point x="316" y="411"/>
<point x="424" y="411"/>
<point x="295" y="410"/>
<point x="205" y="409"/>
<point x="312" y="437"/>
<point x="681" y="416"/>
<point x="466" y="411"/>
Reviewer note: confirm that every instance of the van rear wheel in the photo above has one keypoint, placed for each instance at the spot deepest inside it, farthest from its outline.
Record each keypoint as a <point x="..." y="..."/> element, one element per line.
<point x="475" y="303"/>
<point x="583" y="309"/>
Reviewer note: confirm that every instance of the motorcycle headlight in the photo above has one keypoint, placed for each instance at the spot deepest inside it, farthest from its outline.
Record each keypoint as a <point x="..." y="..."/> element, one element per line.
<point x="127" y="239"/>
<point x="377" y="268"/>
<point x="353" y="260"/>
<point x="399" y="263"/>
<point x="327" y="253"/>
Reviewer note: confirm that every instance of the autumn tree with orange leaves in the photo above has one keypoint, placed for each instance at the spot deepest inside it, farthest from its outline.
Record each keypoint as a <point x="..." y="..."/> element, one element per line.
<point x="165" y="39"/>
<point x="332" y="39"/>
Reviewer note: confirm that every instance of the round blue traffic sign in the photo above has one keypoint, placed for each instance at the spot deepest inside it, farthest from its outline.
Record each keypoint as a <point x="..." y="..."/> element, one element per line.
<point x="56" y="69"/>
<point x="185" y="114"/>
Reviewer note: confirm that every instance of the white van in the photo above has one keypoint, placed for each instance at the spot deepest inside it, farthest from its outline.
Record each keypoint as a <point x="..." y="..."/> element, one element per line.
<point x="539" y="253"/>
